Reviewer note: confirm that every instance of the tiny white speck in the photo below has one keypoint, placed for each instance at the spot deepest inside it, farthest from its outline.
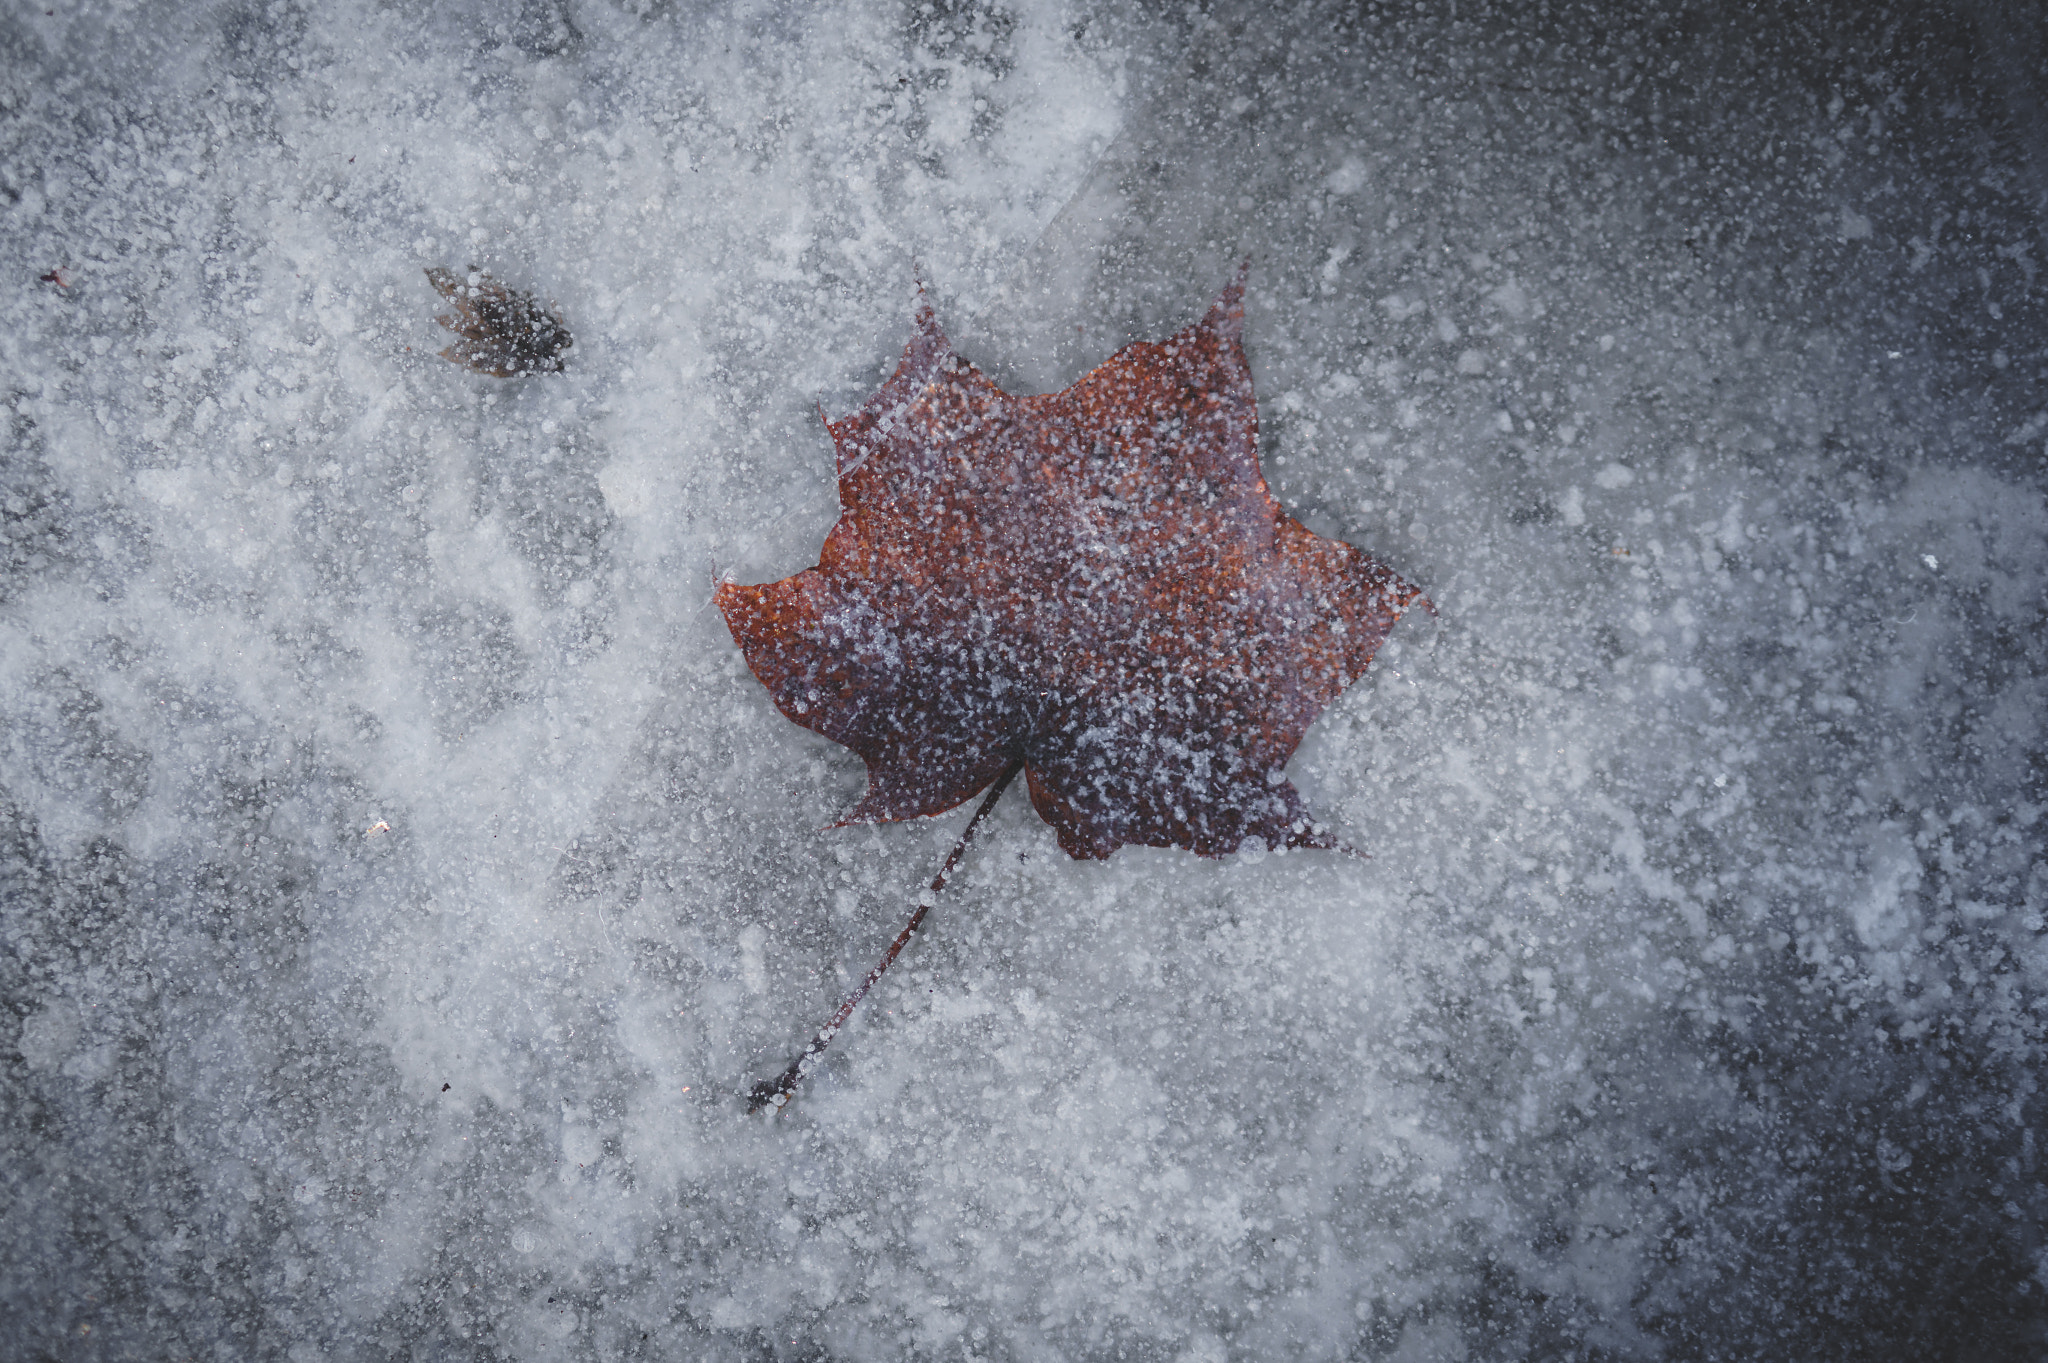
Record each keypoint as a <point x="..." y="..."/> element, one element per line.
<point x="1930" y="560"/>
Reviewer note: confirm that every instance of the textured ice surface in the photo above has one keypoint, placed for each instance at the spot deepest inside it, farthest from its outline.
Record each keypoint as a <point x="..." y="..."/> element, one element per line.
<point x="402" y="872"/>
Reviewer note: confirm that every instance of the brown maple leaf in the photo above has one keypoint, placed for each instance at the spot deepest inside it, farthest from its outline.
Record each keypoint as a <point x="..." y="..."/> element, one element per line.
<point x="505" y="332"/>
<point x="1093" y="587"/>
<point x="1094" y="582"/>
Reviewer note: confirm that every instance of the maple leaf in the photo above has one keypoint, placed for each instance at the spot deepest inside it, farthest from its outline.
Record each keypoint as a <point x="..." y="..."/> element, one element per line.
<point x="1095" y="583"/>
<point x="505" y="332"/>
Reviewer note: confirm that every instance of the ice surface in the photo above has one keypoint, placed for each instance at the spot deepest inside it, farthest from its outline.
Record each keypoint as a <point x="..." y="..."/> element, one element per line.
<point x="402" y="872"/>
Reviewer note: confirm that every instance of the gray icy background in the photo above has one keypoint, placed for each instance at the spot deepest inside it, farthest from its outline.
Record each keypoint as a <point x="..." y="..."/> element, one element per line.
<point x="401" y="870"/>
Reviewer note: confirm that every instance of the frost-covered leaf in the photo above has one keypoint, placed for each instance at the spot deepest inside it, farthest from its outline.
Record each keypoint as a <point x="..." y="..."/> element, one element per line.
<point x="505" y="332"/>
<point x="1095" y="581"/>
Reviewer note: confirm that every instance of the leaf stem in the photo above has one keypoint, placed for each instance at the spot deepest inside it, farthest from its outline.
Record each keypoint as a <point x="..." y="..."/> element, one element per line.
<point x="774" y="1093"/>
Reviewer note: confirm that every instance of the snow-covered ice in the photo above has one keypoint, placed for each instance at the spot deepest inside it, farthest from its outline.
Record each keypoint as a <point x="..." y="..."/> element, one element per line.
<point x="402" y="872"/>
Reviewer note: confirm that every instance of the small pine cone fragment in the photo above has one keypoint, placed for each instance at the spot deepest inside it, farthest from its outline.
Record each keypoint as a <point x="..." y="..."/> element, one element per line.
<point x="505" y="332"/>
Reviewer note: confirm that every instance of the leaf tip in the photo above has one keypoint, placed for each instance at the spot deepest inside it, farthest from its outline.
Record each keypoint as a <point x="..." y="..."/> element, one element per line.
<point x="1226" y="314"/>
